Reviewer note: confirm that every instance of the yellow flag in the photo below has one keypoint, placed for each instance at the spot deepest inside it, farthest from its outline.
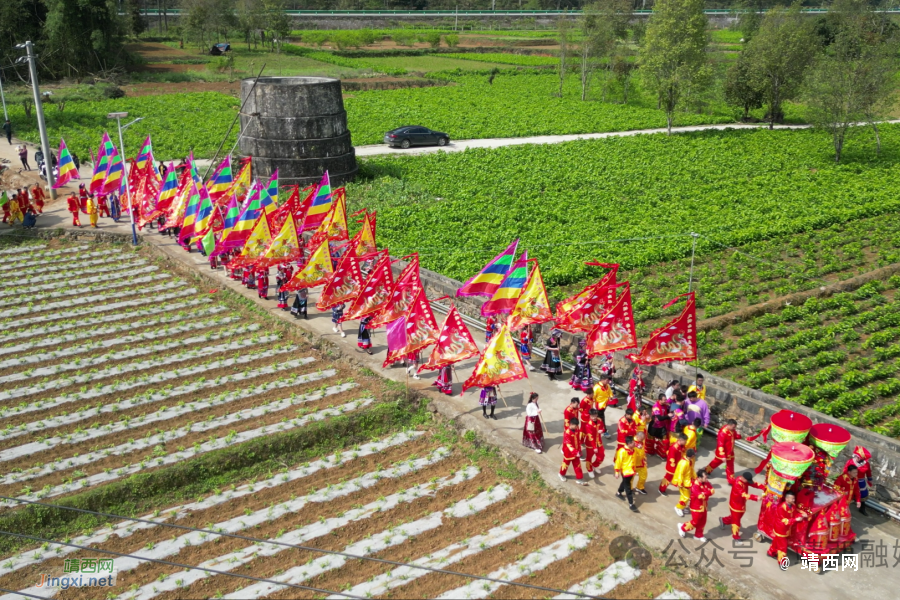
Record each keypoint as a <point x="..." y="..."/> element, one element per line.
<point x="533" y="306"/>
<point x="500" y="363"/>
<point x="285" y="247"/>
<point x="335" y="223"/>
<point x="366" y="237"/>
<point x="256" y="244"/>
<point x="316" y="271"/>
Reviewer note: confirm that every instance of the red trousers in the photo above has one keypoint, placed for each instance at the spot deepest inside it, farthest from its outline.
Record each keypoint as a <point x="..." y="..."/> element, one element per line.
<point x="734" y="519"/>
<point x="778" y="548"/>
<point x="576" y="465"/>
<point x="75" y="220"/>
<point x="729" y="467"/>
<point x="595" y="456"/>
<point x="697" y="524"/>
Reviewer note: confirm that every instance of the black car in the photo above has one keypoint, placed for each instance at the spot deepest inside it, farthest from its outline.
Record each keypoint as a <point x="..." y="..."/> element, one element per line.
<point x="405" y="137"/>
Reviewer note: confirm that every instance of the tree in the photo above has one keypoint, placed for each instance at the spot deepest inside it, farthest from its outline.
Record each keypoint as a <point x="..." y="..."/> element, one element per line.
<point x="673" y="58"/>
<point x="603" y="24"/>
<point x="564" y="28"/>
<point x="778" y="56"/>
<point x="80" y="37"/>
<point x="853" y="80"/>
<point x="739" y="88"/>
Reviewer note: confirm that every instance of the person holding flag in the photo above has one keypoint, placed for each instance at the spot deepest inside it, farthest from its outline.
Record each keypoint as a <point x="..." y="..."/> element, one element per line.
<point x="363" y="338"/>
<point x="526" y="338"/>
<point x="533" y="433"/>
<point x="488" y="397"/>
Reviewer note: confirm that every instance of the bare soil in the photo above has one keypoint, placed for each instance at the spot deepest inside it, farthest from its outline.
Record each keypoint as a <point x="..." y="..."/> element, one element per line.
<point x="266" y="497"/>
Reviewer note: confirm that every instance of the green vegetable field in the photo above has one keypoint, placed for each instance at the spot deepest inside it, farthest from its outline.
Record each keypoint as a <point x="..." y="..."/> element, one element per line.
<point x="577" y="201"/>
<point x="178" y="123"/>
<point x="837" y="355"/>
<point x="515" y="105"/>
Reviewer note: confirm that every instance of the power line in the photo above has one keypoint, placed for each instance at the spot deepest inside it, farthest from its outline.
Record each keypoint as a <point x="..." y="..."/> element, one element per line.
<point x="254" y="540"/>
<point x="173" y="564"/>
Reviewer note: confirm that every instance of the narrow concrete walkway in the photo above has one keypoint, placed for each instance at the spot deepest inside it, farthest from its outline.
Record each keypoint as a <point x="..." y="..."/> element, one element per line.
<point x="462" y="145"/>
<point x="656" y="522"/>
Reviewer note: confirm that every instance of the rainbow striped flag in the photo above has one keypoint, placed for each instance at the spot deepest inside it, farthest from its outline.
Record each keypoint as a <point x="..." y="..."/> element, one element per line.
<point x="145" y="155"/>
<point x="107" y="148"/>
<point x="168" y="190"/>
<point x="266" y="202"/>
<point x="242" y="229"/>
<point x="272" y="187"/>
<point x="190" y="216"/>
<point x="488" y="280"/>
<point x="232" y="212"/>
<point x="203" y="220"/>
<point x="321" y="204"/>
<point x="221" y="180"/>
<point x="114" y="175"/>
<point x="67" y="170"/>
<point x="504" y="299"/>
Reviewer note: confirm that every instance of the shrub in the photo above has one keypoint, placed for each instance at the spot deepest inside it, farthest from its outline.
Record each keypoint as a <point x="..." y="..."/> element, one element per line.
<point x="317" y="38"/>
<point x="452" y="40"/>
<point x="404" y="38"/>
<point x="433" y="38"/>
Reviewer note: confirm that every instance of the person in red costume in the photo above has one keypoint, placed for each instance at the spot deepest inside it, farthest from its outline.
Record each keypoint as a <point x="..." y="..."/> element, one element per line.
<point x="627" y="428"/>
<point x="725" y="449"/>
<point x="737" y="502"/>
<point x="701" y="490"/>
<point x="593" y="443"/>
<point x="571" y="451"/>
<point x="782" y="521"/>
<point x="571" y="412"/>
<point x="860" y="460"/>
<point x="847" y="485"/>
<point x="675" y="454"/>
<point x="74" y="208"/>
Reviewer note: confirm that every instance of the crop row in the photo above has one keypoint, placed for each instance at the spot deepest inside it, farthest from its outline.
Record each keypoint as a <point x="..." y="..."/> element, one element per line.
<point x="837" y="354"/>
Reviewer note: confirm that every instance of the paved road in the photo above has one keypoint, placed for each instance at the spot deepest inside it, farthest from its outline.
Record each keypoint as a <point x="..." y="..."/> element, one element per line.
<point x="460" y="145"/>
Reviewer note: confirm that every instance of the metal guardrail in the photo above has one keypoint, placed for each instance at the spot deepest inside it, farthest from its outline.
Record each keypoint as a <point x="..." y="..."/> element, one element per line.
<point x="469" y="13"/>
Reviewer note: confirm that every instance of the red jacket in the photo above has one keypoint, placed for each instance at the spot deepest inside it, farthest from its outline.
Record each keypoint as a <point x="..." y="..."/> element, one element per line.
<point x="740" y="493"/>
<point x="725" y="443"/>
<point x="625" y="429"/>
<point x="589" y="434"/>
<point x="569" y="414"/>
<point x="571" y="445"/>
<point x="675" y="454"/>
<point x="700" y="493"/>
<point x="73" y="204"/>
<point x="584" y="409"/>
<point x="845" y="485"/>
<point x="783" y="520"/>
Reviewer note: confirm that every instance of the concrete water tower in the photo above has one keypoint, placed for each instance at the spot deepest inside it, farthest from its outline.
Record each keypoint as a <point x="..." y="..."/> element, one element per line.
<point x="299" y="126"/>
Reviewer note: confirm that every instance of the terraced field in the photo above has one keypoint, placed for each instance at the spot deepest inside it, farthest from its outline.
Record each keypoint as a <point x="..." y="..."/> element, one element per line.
<point x="117" y="373"/>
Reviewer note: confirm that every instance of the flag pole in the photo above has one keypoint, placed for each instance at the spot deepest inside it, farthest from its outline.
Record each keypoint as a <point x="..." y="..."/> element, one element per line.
<point x="690" y="283"/>
<point x="499" y="393"/>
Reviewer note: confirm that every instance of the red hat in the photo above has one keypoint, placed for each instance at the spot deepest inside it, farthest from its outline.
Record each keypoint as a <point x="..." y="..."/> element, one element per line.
<point x="862" y="453"/>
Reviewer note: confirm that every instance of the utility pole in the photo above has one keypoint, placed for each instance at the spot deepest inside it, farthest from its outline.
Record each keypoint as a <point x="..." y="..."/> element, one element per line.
<point x="39" y="111"/>
<point x="2" y="97"/>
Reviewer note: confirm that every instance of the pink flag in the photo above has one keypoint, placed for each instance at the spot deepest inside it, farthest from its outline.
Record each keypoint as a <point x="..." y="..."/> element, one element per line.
<point x="396" y="334"/>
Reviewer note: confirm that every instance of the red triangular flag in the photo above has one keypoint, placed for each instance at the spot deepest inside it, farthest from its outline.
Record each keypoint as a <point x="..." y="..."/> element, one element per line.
<point x="402" y="294"/>
<point x="455" y="343"/>
<point x="677" y="340"/>
<point x="421" y="329"/>
<point x="375" y="293"/>
<point x="615" y="331"/>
